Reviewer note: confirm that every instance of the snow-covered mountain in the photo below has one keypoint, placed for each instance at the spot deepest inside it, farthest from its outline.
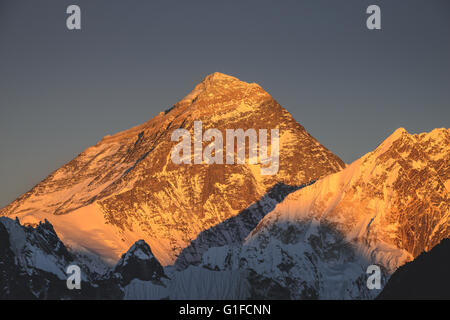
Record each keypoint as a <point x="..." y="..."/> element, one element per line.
<point x="142" y="227"/>
<point x="126" y="188"/>
<point x="33" y="263"/>
<point x="385" y="209"/>
<point x="396" y="196"/>
<point x="319" y="241"/>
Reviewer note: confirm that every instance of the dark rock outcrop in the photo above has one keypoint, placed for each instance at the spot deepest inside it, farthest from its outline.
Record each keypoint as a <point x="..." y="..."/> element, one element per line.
<point x="426" y="277"/>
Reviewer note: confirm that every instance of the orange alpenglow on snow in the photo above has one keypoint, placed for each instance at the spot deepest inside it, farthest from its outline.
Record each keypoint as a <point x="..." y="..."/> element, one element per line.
<point x="126" y="188"/>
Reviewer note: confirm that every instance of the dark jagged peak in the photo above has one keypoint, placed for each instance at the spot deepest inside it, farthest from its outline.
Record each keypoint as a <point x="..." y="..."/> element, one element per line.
<point x="138" y="263"/>
<point x="426" y="277"/>
<point x="33" y="261"/>
<point x="37" y="247"/>
<point x="49" y="242"/>
<point x="140" y="250"/>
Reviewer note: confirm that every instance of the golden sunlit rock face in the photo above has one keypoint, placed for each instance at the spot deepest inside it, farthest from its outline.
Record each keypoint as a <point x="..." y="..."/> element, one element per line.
<point x="383" y="209"/>
<point x="393" y="203"/>
<point x="127" y="188"/>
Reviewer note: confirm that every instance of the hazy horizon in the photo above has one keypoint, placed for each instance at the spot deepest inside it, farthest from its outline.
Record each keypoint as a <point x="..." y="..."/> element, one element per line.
<point x="62" y="91"/>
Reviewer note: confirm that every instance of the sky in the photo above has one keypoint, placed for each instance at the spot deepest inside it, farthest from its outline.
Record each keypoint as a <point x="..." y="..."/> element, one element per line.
<point x="61" y="91"/>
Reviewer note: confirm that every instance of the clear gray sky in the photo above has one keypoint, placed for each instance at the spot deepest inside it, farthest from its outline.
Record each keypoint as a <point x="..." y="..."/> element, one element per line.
<point x="62" y="91"/>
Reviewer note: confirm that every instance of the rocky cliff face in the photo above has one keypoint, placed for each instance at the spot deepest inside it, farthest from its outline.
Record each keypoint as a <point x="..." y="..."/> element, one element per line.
<point x="126" y="187"/>
<point x="397" y="195"/>
<point x="383" y="209"/>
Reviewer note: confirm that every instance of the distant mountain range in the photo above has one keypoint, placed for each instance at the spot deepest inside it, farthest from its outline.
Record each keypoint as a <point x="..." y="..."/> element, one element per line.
<point x="143" y="227"/>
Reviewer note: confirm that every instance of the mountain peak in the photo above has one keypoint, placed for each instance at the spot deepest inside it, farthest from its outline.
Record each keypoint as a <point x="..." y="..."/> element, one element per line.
<point x="127" y="184"/>
<point x="217" y="84"/>
<point x="436" y="134"/>
<point x="139" y="263"/>
<point x="396" y="135"/>
<point x="400" y="137"/>
<point x="218" y="76"/>
<point x="140" y="249"/>
<point x="399" y="132"/>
